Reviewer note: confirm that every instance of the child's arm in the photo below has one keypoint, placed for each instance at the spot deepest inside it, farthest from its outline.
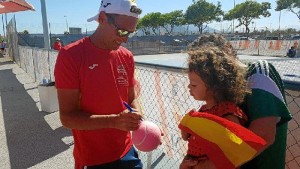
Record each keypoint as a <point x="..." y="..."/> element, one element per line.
<point x="233" y="118"/>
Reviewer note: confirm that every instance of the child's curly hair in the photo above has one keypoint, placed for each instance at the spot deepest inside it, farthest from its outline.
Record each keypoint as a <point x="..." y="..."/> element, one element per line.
<point x="219" y="69"/>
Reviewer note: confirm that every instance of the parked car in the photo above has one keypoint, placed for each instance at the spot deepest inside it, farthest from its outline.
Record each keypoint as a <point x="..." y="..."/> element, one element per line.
<point x="245" y="38"/>
<point x="239" y="38"/>
<point x="296" y="37"/>
<point x="273" y="38"/>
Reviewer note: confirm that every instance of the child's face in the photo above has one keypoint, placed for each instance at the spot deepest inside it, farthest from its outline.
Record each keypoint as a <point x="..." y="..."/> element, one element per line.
<point x="197" y="87"/>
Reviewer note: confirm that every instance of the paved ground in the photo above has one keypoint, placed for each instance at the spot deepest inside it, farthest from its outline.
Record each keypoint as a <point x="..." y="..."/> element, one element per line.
<point x="29" y="137"/>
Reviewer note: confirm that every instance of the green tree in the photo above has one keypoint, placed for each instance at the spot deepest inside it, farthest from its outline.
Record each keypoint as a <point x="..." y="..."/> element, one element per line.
<point x="153" y="21"/>
<point x="202" y="12"/>
<point x="247" y="11"/>
<point x="172" y="19"/>
<point x="24" y="32"/>
<point x="142" y="25"/>
<point x="290" y="5"/>
<point x="291" y="31"/>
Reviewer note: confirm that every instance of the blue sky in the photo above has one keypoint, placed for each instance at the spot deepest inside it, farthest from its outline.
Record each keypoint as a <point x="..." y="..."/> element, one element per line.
<point x="75" y="13"/>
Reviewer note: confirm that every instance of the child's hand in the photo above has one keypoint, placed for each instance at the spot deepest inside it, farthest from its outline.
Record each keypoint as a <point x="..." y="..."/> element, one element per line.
<point x="188" y="164"/>
<point x="185" y="136"/>
<point x="201" y="163"/>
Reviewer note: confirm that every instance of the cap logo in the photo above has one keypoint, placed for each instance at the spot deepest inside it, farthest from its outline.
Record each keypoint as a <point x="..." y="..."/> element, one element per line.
<point x="133" y="1"/>
<point x="135" y="10"/>
<point x="106" y="5"/>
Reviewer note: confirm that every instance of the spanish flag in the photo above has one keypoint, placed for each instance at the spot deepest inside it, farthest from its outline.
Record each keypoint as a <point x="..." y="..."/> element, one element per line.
<point x="227" y="144"/>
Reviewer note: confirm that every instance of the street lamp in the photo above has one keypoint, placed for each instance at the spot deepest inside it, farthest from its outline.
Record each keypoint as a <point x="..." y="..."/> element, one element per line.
<point x="233" y="19"/>
<point x="67" y="23"/>
<point x="45" y="25"/>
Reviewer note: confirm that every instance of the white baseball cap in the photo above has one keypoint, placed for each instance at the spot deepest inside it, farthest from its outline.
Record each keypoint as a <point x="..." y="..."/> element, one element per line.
<point x="121" y="7"/>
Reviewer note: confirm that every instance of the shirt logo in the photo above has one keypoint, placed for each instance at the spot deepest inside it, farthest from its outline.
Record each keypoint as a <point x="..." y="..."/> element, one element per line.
<point x="93" y="66"/>
<point x="121" y="70"/>
<point x="122" y="78"/>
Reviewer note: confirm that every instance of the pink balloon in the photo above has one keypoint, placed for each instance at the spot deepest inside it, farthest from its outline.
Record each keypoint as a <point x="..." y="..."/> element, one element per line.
<point x="147" y="137"/>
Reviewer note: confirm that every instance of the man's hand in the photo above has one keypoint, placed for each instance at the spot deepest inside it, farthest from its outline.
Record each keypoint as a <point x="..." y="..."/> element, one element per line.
<point x="127" y="121"/>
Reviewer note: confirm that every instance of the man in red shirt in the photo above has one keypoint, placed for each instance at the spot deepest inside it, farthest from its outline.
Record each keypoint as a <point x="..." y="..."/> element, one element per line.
<point x="57" y="44"/>
<point x="93" y="77"/>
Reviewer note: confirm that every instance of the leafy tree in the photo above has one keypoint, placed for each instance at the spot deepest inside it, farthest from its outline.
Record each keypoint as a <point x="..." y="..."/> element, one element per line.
<point x="291" y="31"/>
<point x="25" y="32"/>
<point x="142" y="25"/>
<point x="247" y="11"/>
<point x="201" y="12"/>
<point x="290" y="5"/>
<point x="152" y="20"/>
<point x="172" y="19"/>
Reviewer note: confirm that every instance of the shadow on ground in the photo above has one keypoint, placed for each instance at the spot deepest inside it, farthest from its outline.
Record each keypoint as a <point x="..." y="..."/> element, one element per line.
<point x="30" y="139"/>
<point x="6" y="62"/>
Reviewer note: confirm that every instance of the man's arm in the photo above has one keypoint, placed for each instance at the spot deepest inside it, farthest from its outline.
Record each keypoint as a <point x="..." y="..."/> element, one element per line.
<point x="266" y="128"/>
<point x="72" y="117"/>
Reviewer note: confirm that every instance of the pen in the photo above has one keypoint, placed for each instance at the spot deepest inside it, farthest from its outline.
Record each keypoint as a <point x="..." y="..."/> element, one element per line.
<point x="127" y="106"/>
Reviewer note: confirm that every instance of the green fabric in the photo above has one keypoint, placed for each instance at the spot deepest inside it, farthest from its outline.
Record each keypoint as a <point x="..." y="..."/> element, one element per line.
<point x="274" y="156"/>
<point x="273" y="74"/>
<point x="262" y="103"/>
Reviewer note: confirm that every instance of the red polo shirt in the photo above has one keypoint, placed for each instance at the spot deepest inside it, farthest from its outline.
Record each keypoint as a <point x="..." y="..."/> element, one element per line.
<point x="103" y="78"/>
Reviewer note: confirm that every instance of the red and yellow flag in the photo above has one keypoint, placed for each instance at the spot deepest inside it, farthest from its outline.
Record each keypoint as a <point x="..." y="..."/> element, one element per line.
<point x="227" y="144"/>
